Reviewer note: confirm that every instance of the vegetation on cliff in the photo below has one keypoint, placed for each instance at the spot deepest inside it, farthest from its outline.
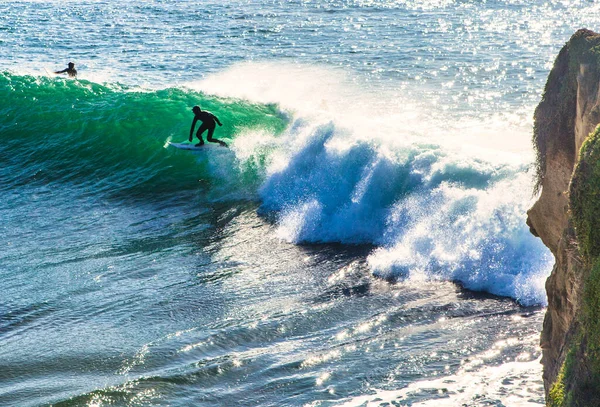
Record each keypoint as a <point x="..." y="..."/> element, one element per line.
<point x="584" y="195"/>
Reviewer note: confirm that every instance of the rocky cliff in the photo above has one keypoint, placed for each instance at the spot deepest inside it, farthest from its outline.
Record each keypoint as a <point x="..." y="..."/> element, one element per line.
<point x="567" y="219"/>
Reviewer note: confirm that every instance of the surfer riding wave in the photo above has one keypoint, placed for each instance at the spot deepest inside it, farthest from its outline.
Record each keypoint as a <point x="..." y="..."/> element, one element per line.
<point x="208" y="123"/>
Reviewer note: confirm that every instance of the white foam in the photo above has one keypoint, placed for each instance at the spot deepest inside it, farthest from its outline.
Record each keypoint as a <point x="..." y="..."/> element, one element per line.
<point x="515" y="384"/>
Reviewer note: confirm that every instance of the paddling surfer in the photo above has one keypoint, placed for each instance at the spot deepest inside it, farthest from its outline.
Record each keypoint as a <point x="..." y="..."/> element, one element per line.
<point x="208" y="123"/>
<point x="70" y="70"/>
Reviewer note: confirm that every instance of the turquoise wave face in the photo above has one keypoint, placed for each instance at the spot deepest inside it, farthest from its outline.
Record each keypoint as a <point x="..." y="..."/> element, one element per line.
<point x="112" y="138"/>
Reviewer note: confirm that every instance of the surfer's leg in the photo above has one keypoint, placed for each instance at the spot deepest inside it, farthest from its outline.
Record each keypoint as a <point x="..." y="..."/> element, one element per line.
<point x="201" y="130"/>
<point x="210" y="138"/>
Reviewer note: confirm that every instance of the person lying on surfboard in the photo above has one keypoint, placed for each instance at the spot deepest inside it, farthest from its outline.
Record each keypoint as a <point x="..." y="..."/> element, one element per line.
<point x="71" y="71"/>
<point x="208" y="123"/>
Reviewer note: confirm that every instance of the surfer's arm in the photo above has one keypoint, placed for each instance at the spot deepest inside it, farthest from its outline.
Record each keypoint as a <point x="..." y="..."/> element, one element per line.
<point x="217" y="120"/>
<point x="192" y="129"/>
<point x="63" y="71"/>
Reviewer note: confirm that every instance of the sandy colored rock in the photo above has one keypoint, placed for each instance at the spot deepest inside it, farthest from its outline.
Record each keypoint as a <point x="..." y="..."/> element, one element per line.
<point x="568" y="112"/>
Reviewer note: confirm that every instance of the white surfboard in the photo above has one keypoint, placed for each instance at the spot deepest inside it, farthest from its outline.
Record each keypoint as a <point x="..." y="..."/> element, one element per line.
<point x="191" y="146"/>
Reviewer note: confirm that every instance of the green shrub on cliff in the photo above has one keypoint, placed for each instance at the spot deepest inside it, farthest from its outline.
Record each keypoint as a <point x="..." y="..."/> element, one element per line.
<point x="584" y="197"/>
<point x="584" y="194"/>
<point x="558" y="396"/>
<point x="584" y="202"/>
<point x="591" y="320"/>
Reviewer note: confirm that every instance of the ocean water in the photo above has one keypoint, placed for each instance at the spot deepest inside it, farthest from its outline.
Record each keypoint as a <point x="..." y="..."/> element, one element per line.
<point x="361" y="243"/>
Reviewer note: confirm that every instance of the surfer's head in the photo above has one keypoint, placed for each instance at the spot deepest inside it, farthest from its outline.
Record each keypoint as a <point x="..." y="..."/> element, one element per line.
<point x="196" y="109"/>
<point x="71" y="65"/>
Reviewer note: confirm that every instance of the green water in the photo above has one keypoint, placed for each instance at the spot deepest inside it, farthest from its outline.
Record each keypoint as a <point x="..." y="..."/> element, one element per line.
<point x="112" y="138"/>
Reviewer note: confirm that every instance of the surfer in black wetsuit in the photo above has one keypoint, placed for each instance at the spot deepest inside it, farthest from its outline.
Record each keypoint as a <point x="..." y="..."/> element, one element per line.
<point x="71" y="71"/>
<point x="208" y="123"/>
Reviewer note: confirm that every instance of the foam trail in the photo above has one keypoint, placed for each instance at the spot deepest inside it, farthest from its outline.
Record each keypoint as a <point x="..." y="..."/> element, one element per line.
<point x="516" y="384"/>
<point x="479" y="381"/>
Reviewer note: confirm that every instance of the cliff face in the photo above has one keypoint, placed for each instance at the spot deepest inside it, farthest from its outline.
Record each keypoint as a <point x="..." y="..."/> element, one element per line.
<point x="568" y="113"/>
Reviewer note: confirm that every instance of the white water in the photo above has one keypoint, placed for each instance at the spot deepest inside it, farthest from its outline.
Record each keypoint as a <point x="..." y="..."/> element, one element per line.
<point x="514" y="384"/>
